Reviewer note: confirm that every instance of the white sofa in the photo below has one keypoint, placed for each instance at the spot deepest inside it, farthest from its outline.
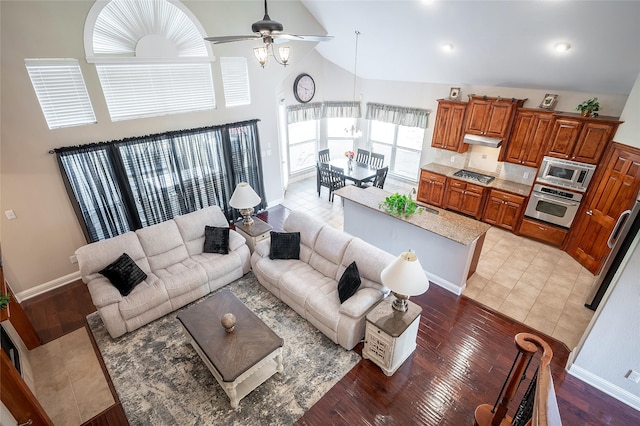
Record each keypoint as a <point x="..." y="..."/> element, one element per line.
<point x="178" y="272"/>
<point x="309" y="285"/>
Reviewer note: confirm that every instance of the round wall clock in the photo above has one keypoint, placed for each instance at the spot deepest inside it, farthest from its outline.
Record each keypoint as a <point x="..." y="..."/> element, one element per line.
<point x="304" y="88"/>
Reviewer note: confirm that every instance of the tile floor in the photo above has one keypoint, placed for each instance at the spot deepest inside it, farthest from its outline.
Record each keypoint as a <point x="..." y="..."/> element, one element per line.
<point x="531" y="282"/>
<point x="69" y="382"/>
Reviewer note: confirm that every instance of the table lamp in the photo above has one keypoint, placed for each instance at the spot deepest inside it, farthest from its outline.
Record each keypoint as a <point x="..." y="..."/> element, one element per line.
<point x="404" y="277"/>
<point x="243" y="199"/>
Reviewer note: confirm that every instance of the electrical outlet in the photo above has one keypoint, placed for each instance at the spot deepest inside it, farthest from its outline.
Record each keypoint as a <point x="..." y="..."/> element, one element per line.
<point x="73" y="259"/>
<point x="634" y="376"/>
<point x="453" y="159"/>
<point x="10" y="214"/>
<point x="526" y="175"/>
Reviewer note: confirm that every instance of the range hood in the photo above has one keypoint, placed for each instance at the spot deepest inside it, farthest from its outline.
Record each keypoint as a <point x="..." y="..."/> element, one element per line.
<point x="482" y="140"/>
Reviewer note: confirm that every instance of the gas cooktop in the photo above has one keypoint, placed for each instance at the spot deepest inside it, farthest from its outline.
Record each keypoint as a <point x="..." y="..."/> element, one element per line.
<point x="473" y="176"/>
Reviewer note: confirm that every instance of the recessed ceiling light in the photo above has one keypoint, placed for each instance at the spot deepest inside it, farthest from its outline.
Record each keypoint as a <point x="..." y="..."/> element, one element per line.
<point x="448" y="47"/>
<point x="562" y="47"/>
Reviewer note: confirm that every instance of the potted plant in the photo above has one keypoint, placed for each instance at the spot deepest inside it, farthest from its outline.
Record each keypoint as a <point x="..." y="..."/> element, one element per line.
<point x="4" y="300"/>
<point x="399" y="205"/>
<point x="589" y="107"/>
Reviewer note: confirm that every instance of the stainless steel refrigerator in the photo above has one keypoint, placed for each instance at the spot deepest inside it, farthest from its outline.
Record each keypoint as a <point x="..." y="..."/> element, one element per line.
<point x="626" y="228"/>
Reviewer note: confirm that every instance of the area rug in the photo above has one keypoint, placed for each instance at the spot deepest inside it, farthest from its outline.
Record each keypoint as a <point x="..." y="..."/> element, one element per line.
<point x="160" y="379"/>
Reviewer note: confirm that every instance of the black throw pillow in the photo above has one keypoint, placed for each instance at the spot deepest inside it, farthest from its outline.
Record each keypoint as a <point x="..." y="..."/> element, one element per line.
<point x="349" y="282"/>
<point x="285" y="245"/>
<point x="124" y="274"/>
<point x="216" y="240"/>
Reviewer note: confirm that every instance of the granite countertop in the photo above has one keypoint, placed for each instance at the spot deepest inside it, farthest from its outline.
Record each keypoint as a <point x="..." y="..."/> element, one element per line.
<point x="497" y="183"/>
<point x="450" y="225"/>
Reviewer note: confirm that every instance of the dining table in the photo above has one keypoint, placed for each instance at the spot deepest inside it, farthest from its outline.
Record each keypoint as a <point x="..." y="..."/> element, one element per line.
<point x="358" y="173"/>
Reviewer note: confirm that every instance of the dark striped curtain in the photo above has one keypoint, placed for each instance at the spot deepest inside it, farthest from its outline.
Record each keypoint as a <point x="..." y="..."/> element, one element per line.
<point x="123" y="185"/>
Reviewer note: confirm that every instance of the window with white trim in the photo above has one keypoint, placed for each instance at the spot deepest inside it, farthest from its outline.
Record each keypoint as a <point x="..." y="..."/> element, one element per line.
<point x="151" y="58"/>
<point x="61" y="91"/>
<point x="235" y="81"/>
<point x="401" y="146"/>
<point x="303" y="145"/>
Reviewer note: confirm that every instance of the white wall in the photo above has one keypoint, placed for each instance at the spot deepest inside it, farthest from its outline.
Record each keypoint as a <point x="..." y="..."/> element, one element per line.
<point x="629" y="132"/>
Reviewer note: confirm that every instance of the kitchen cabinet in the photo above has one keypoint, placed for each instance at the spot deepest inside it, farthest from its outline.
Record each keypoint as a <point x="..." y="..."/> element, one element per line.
<point x="503" y="209"/>
<point x="464" y="197"/>
<point x="527" y="142"/>
<point x="613" y="190"/>
<point x="447" y="130"/>
<point x="431" y="188"/>
<point x="580" y="139"/>
<point x="491" y="117"/>
<point x="542" y="231"/>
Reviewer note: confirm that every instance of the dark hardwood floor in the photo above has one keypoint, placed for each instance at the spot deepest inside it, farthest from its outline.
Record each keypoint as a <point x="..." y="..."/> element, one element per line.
<point x="463" y="356"/>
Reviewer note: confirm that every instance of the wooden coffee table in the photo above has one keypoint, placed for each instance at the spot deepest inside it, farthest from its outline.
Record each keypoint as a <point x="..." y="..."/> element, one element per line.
<point x="241" y="360"/>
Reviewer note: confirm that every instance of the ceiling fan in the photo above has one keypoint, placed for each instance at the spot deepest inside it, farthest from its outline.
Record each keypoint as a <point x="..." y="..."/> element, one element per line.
<point x="268" y="30"/>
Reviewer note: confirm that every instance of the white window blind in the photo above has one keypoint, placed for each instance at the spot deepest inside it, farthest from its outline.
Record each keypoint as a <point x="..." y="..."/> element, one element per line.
<point x="235" y="80"/>
<point x="152" y="89"/>
<point x="61" y="91"/>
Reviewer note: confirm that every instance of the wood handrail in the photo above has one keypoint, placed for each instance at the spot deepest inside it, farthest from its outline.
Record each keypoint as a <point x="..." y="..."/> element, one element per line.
<point x="528" y="344"/>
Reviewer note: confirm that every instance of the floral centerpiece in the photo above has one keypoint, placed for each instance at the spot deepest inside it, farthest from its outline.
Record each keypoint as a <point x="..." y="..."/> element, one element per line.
<point x="399" y="205"/>
<point x="349" y="154"/>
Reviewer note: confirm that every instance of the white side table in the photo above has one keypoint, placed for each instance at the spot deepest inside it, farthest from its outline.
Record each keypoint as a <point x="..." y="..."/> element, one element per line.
<point x="390" y="336"/>
<point x="254" y="233"/>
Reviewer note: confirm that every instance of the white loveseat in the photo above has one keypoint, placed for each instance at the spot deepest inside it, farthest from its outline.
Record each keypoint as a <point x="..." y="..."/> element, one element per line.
<point x="178" y="272"/>
<point x="310" y="285"/>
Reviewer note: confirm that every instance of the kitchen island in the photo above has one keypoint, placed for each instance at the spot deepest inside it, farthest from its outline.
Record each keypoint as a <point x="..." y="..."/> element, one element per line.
<point x="447" y="244"/>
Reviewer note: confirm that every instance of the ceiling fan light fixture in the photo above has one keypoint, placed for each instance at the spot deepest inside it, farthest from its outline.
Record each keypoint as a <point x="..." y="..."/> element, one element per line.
<point x="262" y="55"/>
<point x="284" y="52"/>
<point x="561" y="47"/>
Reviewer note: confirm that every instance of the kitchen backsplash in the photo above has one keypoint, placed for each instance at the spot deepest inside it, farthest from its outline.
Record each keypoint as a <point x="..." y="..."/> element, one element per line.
<point x="485" y="159"/>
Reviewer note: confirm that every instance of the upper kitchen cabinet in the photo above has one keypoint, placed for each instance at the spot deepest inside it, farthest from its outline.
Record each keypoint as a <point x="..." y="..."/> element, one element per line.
<point x="447" y="130"/>
<point x="491" y="117"/>
<point x="527" y="143"/>
<point x="579" y="138"/>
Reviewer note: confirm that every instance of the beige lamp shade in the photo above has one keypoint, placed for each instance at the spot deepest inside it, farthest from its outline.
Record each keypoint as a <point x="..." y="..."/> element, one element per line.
<point x="244" y="197"/>
<point x="405" y="276"/>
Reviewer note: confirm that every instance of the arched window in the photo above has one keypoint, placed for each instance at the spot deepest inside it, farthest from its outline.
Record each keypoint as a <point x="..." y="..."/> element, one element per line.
<point x="151" y="58"/>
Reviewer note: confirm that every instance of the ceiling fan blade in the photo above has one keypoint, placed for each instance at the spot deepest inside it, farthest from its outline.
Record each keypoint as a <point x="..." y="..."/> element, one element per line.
<point x="229" y="39"/>
<point x="313" y="38"/>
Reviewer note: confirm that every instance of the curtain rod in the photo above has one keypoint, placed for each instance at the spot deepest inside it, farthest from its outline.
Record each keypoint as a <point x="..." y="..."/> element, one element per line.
<point x="169" y="133"/>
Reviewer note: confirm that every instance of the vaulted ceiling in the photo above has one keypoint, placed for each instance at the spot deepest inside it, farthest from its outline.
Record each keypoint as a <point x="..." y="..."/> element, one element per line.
<point x="495" y="43"/>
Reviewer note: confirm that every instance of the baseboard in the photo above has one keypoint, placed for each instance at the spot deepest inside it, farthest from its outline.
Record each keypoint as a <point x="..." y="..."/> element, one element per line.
<point x="610" y="389"/>
<point x="48" y="286"/>
<point x="447" y="285"/>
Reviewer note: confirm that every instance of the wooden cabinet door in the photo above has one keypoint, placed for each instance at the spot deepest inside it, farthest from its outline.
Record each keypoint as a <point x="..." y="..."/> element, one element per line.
<point x="492" y="210"/>
<point x="511" y="214"/>
<point x="534" y="150"/>
<point x="477" y="116"/>
<point x="447" y="130"/>
<point x="431" y="188"/>
<point x="436" y="196"/>
<point x="454" y="194"/>
<point x="453" y="140"/>
<point x="519" y="137"/>
<point x="564" y="135"/>
<point x="614" y="191"/>
<point x="592" y="142"/>
<point x="498" y="119"/>
<point x="472" y="201"/>
<point x="442" y="125"/>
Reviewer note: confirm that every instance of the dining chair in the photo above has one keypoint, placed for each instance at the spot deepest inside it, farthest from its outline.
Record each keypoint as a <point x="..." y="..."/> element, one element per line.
<point x="324" y="156"/>
<point x="378" y="181"/>
<point x="362" y="156"/>
<point x="381" y="176"/>
<point x="330" y="177"/>
<point x="376" y="160"/>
